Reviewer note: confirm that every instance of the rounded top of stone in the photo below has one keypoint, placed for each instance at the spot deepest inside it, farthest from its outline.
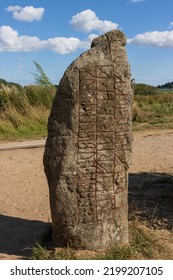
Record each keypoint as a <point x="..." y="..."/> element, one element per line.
<point x="112" y="36"/>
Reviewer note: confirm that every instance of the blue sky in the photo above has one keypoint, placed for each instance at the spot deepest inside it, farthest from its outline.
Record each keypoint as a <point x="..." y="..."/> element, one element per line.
<point x="54" y="33"/>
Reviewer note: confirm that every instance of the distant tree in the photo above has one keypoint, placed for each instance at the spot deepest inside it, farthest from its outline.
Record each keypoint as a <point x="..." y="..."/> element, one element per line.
<point x="2" y="81"/>
<point x="10" y="84"/>
<point x="143" y="89"/>
<point x="168" y="85"/>
<point x="40" y="76"/>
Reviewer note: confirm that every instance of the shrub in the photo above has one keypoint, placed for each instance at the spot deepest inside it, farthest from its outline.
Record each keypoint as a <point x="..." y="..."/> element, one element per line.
<point x="40" y="95"/>
<point x="143" y="89"/>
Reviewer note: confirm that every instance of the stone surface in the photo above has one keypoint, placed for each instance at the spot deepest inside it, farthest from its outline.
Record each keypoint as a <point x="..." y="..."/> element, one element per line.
<point x="88" y="149"/>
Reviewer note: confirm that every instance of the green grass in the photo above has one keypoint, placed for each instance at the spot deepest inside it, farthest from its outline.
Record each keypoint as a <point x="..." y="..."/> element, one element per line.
<point x="17" y="127"/>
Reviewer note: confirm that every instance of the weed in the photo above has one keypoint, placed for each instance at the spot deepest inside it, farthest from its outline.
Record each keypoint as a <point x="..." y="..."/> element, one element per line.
<point x="153" y="217"/>
<point x="121" y="252"/>
<point x="143" y="245"/>
<point x="40" y="253"/>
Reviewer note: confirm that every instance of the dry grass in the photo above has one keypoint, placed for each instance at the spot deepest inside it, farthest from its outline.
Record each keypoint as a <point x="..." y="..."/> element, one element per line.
<point x="24" y="113"/>
<point x="153" y="111"/>
<point x="145" y="243"/>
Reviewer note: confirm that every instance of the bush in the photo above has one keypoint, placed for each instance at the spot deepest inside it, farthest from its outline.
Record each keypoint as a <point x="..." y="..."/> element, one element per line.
<point x="143" y="89"/>
<point x="40" y="95"/>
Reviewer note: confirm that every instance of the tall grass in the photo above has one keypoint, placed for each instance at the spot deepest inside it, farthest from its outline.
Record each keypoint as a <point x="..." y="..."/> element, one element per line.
<point x="153" y="110"/>
<point x="24" y="112"/>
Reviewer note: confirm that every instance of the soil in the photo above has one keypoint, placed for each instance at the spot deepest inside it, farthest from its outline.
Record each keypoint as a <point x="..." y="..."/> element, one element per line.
<point x="24" y="197"/>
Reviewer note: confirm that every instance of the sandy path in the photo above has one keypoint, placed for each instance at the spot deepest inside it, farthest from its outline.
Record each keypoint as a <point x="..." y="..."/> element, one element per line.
<point x="153" y="152"/>
<point x="24" y="201"/>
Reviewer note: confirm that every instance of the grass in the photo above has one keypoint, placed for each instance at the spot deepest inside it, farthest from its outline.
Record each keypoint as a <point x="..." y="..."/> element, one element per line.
<point x="41" y="253"/>
<point x="13" y="126"/>
<point x="153" y="111"/>
<point x="24" y="111"/>
<point x="143" y="245"/>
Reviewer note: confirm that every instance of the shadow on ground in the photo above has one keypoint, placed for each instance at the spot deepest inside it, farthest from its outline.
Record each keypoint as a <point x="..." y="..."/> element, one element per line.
<point x="18" y="236"/>
<point x="151" y="199"/>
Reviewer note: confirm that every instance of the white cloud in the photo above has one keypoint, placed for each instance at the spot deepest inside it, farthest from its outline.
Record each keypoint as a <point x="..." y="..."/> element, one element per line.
<point x="171" y="25"/>
<point x="62" y="45"/>
<point x="13" y="8"/>
<point x="28" y="13"/>
<point x="87" y="21"/>
<point x="154" y="38"/>
<point x="11" y="41"/>
<point x="135" y="1"/>
<point x="86" y="43"/>
<point x="20" y="65"/>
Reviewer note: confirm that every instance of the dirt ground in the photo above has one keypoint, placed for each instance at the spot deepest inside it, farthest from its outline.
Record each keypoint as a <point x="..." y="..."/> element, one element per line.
<point x="24" y="199"/>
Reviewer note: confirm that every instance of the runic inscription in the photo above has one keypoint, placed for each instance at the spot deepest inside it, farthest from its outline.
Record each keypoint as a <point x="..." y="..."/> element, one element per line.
<point x="88" y="148"/>
<point x="100" y="186"/>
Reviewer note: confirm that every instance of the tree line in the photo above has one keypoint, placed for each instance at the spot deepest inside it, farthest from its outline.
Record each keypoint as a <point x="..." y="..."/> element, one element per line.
<point x="168" y="85"/>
